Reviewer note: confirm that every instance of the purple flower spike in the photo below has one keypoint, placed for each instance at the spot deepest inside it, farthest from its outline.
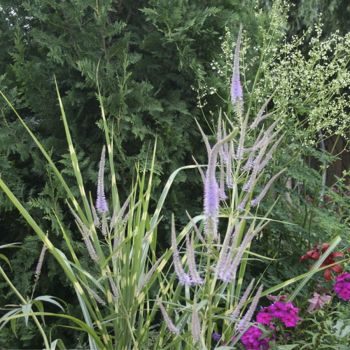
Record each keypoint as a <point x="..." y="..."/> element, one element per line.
<point x="194" y="274"/>
<point x="101" y="203"/>
<point x="236" y="87"/>
<point x="183" y="277"/>
<point x="172" y="328"/>
<point x="211" y="197"/>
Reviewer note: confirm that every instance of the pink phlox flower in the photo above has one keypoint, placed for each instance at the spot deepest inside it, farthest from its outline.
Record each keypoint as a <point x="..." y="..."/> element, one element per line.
<point x="285" y="312"/>
<point x="342" y="286"/>
<point x="264" y="316"/>
<point x="252" y="339"/>
<point x="318" y="301"/>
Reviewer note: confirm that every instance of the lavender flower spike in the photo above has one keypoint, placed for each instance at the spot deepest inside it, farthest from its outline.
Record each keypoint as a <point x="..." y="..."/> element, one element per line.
<point x="236" y="87"/>
<point x="249" y="314"/>
<point x="195" y="277"/>
<point x="101" y="203"/>
<point x="196" y="327"/>
<point x="172" y="328"/>
<point x="242" y="301"/>
<point x="262" y="194"/>
<point x="183" y="277"/>
<point x="211" y="197"/>
<point x="211" y="188"/>
<point x="40" y="263"/>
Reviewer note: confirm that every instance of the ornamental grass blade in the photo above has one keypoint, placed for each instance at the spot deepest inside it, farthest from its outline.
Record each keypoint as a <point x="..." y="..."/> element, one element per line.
<point x="160" y="203"/>
<point x="49" y="299"/>
<point x="48" y="159"/>
<point x="74" y="158"/>
<point x="58" y="255"/>
<point x="316" y="266"/>
<point x="82" y="326"/>
<point x="307" y="275"/>
<point x="6" y="318"/>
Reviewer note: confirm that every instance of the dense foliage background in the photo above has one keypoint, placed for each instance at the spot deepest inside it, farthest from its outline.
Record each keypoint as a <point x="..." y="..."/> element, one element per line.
<point x="146" y="55"/>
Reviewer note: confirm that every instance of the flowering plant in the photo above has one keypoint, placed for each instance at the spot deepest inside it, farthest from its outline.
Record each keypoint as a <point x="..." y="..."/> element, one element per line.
<point x="342" y="286"/>
<point x="284" y="312"/>
<point x="276" y="316"/>
<point x="253" y="339"/>
<point x="315" y="254"/>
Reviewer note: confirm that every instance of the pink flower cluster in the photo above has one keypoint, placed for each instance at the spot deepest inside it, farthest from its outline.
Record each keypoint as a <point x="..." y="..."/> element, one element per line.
<point x="285" y="312"/>
<point x="342" y="286"/>
<point x="251" y="339"/>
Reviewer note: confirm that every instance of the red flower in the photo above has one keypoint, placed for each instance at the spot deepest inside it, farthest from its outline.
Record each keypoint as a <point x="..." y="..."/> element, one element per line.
<point x="316" y="253"/>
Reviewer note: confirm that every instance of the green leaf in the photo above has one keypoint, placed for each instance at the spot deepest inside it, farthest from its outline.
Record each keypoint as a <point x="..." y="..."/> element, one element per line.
<point x="49" y="299"/>
<point x="27" y="310"/>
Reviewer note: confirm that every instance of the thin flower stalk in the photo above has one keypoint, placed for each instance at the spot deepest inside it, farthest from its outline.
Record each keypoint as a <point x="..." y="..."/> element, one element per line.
<point x="240" y="148"/>
<point x="39" y="265"/>
<point x="222" y="193"/>
<point x="172" y="328"/>
<point x="227" y="252"/>
<point x="266" y="137"/>
<point x="85" y="233"/>
<point x="224" y="151"/>
<point x="258" y="142"/>
<point x="224" y="257"/>
<point x="97" y="222"/>
<point x="242" y="301"/>
<point x="260" y="115"/>
<point x="249" y="185"/>
<point x="201" y="173"/>
<point x="182" y="276"/>
<point x="233" y="264"/>
<point x="146" y="278"/>
<point x="230" y="269"/>
<point x="219" y="131"/>
<point x="242" y="205"/>
<point x="204" y="137"/>
<point x="236" y="86"/>
<point x="118" y="214"/>
<point x="95" y="296"/>
<point x="229" y="174"/>
<point x="113" y="287"/>
<point x="101" y="202"/>
<point x="243" y="324"/>
<point x="269" y="155"/>
<point x="250" y="162"/>
<point x="196" y="230"/>
<point x="257" y="121"/>
<point x="104" y="226"/>
<point x="195" y="324"/>
<point x="194" y="274"/>
<point x="263" y="193"/>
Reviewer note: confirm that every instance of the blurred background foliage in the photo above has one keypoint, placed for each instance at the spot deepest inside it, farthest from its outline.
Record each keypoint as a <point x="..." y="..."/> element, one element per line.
<point x="156" y="65"/>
